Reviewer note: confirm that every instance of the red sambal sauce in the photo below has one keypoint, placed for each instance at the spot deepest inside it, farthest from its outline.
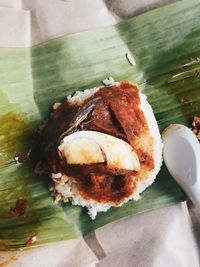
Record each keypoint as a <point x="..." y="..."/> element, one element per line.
<point x="118" y="107"/>
<point x="124" y="102"/>
<point x="107" y="188"/>
<point x="101" y="183"/>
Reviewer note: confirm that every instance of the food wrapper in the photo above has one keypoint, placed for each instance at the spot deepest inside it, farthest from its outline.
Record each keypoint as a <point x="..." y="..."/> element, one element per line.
<point x="163" y="237"/>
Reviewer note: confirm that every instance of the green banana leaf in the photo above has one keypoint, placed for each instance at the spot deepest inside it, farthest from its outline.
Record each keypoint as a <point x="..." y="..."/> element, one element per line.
<point x="165" y="44"/>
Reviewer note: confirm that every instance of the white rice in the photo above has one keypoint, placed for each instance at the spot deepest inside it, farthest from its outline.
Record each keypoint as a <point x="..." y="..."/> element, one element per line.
<point x="69" y="190"/>
<point x="81" y="96"/>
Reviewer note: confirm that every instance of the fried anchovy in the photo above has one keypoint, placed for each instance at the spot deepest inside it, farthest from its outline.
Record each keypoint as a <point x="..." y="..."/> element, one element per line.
<point x="80" y="117"/>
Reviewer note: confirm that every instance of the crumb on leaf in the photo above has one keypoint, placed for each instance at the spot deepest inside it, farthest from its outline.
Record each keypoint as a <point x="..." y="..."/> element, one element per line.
<point x="20" y="208"/>
<point x="196" y="127"/>
<point x="32" y="239"/>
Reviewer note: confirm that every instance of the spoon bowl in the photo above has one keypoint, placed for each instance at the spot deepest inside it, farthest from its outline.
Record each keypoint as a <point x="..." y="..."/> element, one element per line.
<point x="181" y="154"/>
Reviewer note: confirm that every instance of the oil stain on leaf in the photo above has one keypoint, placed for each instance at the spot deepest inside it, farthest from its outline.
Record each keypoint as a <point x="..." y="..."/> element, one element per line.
<point x="16" y="131"/>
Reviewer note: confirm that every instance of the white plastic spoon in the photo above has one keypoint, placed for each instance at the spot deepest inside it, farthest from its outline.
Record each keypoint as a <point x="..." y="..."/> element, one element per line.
<point x="181" y="154"/>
